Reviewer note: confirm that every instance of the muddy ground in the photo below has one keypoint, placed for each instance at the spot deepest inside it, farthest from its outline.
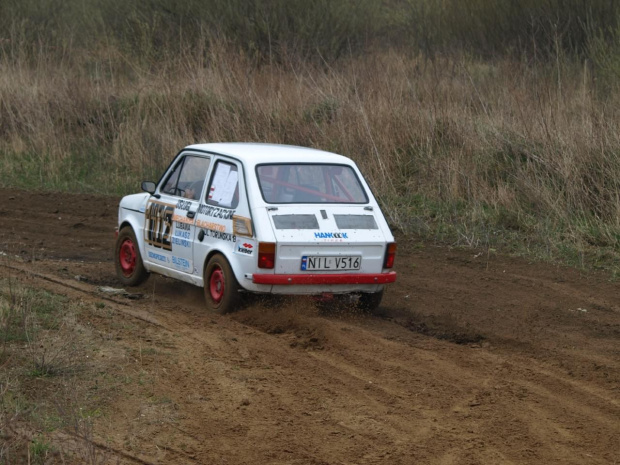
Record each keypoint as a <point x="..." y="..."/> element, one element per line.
<point x="475" y="357"/>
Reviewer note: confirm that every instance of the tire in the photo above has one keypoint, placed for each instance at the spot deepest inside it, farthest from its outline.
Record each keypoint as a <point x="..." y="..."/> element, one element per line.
<point x="220" y="286"/>
<point x="129" y="267"/>
<point x="369" y="302"/>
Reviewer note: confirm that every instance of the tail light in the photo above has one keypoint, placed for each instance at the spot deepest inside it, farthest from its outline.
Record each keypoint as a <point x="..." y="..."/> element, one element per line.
<point x="390" y="255"/>
<point x="266" y="255"/>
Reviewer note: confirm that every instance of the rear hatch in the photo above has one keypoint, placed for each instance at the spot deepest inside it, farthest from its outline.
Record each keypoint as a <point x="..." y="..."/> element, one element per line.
<point x="328" y="239"/>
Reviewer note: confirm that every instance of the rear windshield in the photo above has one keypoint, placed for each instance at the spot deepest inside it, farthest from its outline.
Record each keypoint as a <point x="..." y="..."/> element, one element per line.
<point x="309" y="183"/>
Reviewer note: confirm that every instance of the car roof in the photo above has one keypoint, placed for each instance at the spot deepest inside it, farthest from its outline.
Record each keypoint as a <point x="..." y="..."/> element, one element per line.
<point x="256" y="153"/>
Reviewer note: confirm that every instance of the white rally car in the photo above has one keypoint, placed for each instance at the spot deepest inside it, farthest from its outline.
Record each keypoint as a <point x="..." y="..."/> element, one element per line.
<point x="260" y="218"/>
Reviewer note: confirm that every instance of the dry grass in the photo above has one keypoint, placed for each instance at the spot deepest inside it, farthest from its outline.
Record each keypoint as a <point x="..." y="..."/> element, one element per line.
<point x="477" y="153"/>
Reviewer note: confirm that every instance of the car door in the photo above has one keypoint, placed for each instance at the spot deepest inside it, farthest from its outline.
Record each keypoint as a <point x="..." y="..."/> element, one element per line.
<point x="224" y="202"/>
<point x="170" y="214"/>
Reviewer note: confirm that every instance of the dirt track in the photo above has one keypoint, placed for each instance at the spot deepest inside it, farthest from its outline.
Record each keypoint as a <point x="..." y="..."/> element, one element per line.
<point x="477" y="358"/>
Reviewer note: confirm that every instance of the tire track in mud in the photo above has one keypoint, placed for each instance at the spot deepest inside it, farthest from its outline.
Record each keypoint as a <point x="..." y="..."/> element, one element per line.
<point x="354" y="396"/>
<point x="83" y="289"/>
<point x="601" y="410"/>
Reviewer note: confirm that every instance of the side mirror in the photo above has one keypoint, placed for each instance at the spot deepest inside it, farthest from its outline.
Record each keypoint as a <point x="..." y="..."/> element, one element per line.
<point x="148" y="186"/>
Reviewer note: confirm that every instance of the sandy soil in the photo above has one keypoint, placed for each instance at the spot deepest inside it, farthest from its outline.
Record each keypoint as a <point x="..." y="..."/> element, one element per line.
<point x="475" y="358"/>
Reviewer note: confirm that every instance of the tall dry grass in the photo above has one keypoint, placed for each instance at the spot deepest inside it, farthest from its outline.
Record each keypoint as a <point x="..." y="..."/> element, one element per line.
<point x="482" y="153"/>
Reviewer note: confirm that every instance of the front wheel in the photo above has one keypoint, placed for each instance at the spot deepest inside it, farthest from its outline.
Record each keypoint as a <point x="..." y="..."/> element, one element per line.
<point x="220" y="286"/>
<point x="129" y="267"/>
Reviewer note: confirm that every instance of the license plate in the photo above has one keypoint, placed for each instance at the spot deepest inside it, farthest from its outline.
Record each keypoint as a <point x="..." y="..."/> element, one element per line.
<point x="329" y="263"/>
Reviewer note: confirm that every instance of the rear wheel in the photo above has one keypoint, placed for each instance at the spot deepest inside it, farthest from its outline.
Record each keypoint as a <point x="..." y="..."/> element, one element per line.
<point x="129" y="267"/>
<point x="370" y="302"/>
<point x="220" y="286"/>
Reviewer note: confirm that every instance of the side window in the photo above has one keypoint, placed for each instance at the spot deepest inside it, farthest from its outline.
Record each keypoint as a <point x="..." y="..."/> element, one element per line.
<point x="170" y="187"/>
<point x="224" y="186"/>
<point x="188" y="177"/>
<point x="267" y="176"/>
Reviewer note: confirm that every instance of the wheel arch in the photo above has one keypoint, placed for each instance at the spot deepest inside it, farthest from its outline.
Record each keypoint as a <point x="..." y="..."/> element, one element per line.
<point x="232" y="260"/>
<point x="126" y="223"/>
<point x="220" y="285"/>
<point x="138" y="230"/>
<point x="211" y="253"/>
<point x="128" y="259"/>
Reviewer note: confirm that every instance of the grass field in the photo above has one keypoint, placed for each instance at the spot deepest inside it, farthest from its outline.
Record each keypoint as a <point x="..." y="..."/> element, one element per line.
<point x="482" y="143"/>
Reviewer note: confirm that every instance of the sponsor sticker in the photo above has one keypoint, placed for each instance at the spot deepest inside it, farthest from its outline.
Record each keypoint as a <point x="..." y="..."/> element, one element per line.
<point x="184" y="205"/>
<point x="157" y="256"/>
<point x="181" y="263"/>
<point x="182" y="226"/>
<point x="330" y="235"/>
<point x="181" y="238"/>
<point x="209" y="225"/>
<point x="216" y="212"/>
<point x="182" y="219"/>
<point x="223" y="236"/>
<point x="245" y="248"/>
<point x="181" y="242"/>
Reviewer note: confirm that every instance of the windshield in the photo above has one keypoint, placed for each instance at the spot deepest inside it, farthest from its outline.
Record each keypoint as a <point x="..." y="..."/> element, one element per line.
<point x="308" y="183"/>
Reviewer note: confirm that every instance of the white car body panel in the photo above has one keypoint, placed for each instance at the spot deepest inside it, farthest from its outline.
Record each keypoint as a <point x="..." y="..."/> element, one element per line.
<point x="177" y="236"/>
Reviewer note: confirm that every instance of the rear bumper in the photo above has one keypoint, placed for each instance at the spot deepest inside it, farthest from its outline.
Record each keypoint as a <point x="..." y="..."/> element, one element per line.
<point x="297" y="279"/>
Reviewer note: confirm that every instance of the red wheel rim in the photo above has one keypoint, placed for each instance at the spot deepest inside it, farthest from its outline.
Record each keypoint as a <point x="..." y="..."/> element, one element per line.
<point x="127" y="257"/>
<point x="216" y="284"/>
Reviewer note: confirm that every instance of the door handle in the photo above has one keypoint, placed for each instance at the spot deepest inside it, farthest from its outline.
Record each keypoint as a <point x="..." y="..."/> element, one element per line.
<point x="191" y="214"/>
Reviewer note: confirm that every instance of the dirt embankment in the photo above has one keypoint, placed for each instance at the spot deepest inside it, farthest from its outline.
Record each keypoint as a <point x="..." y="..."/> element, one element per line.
<point x="476" y="358"/>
